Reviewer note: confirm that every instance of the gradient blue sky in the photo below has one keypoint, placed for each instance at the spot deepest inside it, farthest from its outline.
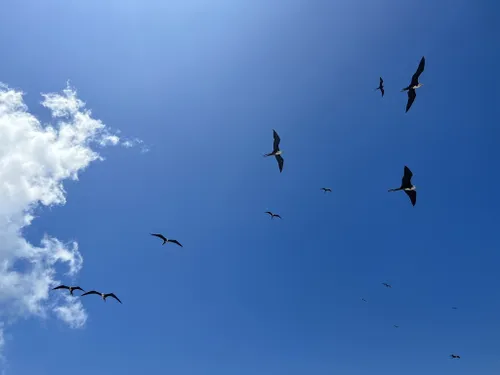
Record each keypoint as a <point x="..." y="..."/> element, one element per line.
<point x="203" y="83"/>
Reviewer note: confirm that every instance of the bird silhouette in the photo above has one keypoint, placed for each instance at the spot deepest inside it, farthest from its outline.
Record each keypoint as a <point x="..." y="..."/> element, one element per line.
<point x="103" y="295"/>
<point x="165" y="240"/>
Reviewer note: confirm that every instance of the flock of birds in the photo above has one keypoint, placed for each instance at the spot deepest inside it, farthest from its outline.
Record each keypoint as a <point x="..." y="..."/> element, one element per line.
<point x="406" y="185"/>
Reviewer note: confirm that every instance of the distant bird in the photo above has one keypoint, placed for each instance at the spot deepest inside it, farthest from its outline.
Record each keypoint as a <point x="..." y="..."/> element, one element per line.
<point x="396" y="326"/>
<point x="386" y="285"/>
<point x="272" y="215"/>
<point x="454" y="308"/>
<point x="364" y="300"/>
<point x="70" y="288"/>
<point x="276" y="151"/>
<point x="453" y="356"/>
<point x="381" y="86"/>
<point x="406" y="185"/>
<point x="165" y="240"/>
<point x="103" y="296"/>
<point x="414" y="84"/>
<point x="326" y="190"/>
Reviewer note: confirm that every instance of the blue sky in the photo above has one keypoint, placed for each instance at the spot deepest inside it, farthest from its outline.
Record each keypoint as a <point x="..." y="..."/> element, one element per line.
<point x="203" y="83"/>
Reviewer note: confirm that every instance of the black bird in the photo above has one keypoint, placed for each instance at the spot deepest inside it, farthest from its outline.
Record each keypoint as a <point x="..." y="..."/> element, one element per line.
<point x="454" y="308"/>
<point x="386" y="285"/>
<point x="272" y="215"/>
<point x="276" y="151"/>
<point x="396" y="326"/>
<point x="165" y="240"/>
<point x="453" y="356"/>
<point x="364" y="300"/>
<point x="70" y="288"/>
<point x="381" y="86"/>
<point x="406" y="185"/>
<point x="326" y="190"/>
<point x="103" y="295"/>
<point x="414" y="84"/>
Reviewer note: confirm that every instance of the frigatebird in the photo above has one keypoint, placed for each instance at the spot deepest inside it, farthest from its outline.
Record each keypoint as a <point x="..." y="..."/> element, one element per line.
<point x="387" y="285"/>
<point x="272" y="215"/>
<point x="406" y="185"/>
<point x="326" y="190"/>
<point x="103" y="295"/>
<point x="414" y="84"/>
<point x="364" y="300"/>
<point x="165" y="240"/>
<point x="454" y="356"/>
<point x="381" y="86"/>
<point x="276" y="151"/>
<point x="70" y="288"/>
<point x="396" y="326"/>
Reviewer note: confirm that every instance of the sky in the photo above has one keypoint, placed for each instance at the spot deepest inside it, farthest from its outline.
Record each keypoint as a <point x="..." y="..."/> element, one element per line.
<point x="121" y="118"/>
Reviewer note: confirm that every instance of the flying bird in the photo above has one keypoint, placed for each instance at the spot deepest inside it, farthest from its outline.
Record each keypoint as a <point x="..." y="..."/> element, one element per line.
<point x="406" y="185"/>
<point x="381" y="86"/>
<point x="386" y="285"/>
<point x="453" y="356"/>
<point x="276" y="151"/>
<point x="414" y="84"/>
<point x="454" y="308"/>
<point x="165" y="240"/>
<point x="70" y="288"/>
<point x="103" y="295"/>
<point x="396" y="326"/>
<point x="364" y="300"/>
<point x="326" y="190"/>
<point x="272" y="215"/>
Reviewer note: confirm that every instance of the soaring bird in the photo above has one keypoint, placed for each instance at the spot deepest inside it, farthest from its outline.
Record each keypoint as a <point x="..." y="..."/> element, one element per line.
<point x="381" y="86"/>
<point x="103" y="295"/>
<point x="70" y="288"/>
<point x="406" y="185"/>
<point x="364" y="300"/>
<point x="396" y="326"/>
<point x="276" y="151"/>
<point x="165" y="240"/>
<point x="414" y="84"/>
<point x="272" y="215"/>
<point x="386" y="285"/>
<point x="454" y="308"/>
<point x="326" y="190"/>
<point x="454" y="356"/>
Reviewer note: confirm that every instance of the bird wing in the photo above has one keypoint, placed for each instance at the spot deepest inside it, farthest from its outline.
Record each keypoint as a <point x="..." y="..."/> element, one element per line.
<point x="420" y="69"/>
<point x="413" y="196"/>
<point x="159" y="236"/>
<point x="280" y="161"/>
<point x="381" y="81"/>
<point x="276" y="144"/>
<point x="382" y="91"/>
<point x="269" y="213"/>
<point x="61" y="287"/>
<point x="112" y="295"/>
<point x="278" y="216"/>
<point x="90" y="292"/>
<point x="176" y="242"/>
<point x="78" y="288"/>
<point x="406" y="180"/>
<point x="412" y="94"/>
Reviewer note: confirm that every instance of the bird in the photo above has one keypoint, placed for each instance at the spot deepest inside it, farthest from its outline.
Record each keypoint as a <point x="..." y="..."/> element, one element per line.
<point x="276" y="151"/>
<point x="364" y="300"/>
<point x="272" y="215"/>
<point x="454" y="356"/>
<point x="386" y="285"/>
<point x="381" y="86"/>
<point x="326" y="190"/>
<point x="396" y="326"/>
<point x="414" y="84"/>
<point x="454" y="308"/>
<point x="70" y="288"/>
<point x="165" y="240"/>
<point x="103" y="295"/>
<point x="407" y="186"/>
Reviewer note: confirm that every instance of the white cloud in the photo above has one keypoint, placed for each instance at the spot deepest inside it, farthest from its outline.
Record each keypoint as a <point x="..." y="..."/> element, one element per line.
<point x="35" y="159"/>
